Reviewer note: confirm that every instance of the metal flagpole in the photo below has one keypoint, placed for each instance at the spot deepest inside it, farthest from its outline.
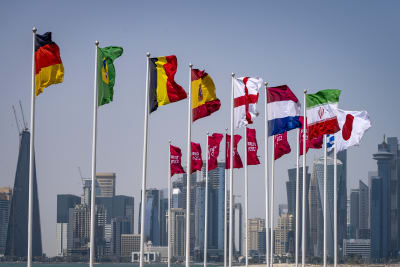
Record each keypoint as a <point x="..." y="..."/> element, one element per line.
<point x="303" y="225"/>
<point x="272" y="202"/>
<point x="31" y="156"/>
<point x="297" y="198"/>
<point x="169" y="203"/>
<point x="93" y="189"/>
<point x="226" y="211"/>
<point x="231" y="180"/>
<point x="188" y="169"/>
<point x="325" y="196"/>
<point x="144" y="167"/>
<point x="246" y="197"/>
<point x="266" y="177"/>
<point x="206" y="206"/>
<point x="334" y="204"/>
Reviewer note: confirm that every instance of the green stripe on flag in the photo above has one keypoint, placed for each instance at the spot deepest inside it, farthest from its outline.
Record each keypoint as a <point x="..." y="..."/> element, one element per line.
<point x="323" y="97"/>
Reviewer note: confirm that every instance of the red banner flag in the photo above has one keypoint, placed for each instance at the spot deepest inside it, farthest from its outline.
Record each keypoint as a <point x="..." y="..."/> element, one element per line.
<point x="315" y="143"/>
<point x="175" y="160"/>
<point x="237" y="161"/>
<point x="197" y="161"/>
<point x="281" y="145"/>
<point x="213" y="150"/>
<point x="252" y="147"/>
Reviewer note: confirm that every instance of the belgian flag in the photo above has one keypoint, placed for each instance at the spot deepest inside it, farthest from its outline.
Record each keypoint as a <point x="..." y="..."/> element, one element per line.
<point x="163" y="88"/>
<point x="204" y="99"/>
<point x="48" y="65"/>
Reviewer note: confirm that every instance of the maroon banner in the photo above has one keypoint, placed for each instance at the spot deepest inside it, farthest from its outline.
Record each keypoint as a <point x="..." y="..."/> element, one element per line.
<point x="315" y="143"/>
<point x="197" y="161"/>
<point x="213" y="150"/>
<point x="281" y="145"/>
<point x="252" y="147"/>
<point x="237" y="161"/>
<point x="175" y="160"/>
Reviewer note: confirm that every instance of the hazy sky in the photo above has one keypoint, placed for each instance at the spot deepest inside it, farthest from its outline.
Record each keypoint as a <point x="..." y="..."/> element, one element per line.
<point x="349" y="45"/>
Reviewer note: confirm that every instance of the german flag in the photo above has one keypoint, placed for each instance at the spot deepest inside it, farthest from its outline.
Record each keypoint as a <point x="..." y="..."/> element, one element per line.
<point x="163" y="88"/>
<point x="204" y="99"/>
<point x="48" y="65"/>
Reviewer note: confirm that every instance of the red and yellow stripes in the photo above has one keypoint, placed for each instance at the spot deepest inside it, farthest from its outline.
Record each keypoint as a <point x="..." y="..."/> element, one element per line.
<point x="48" y="65"/>
<point x="163" y="88"/>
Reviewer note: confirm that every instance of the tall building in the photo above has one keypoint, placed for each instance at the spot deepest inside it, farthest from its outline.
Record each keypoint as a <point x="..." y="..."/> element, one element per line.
<point x="118" y="206"/>
<point x="199" y="220"/>
<point x="282" y="233"/>
<point x="315" y="212"/>
<point x="5" y="202"/>
<point x="291" y="199"/>
<point x="164" y="218"/>
<point x="237" y="228"/>
<point x="152" y="216"/>
<point x="106" y="182"/>
<point x="354" y="213"/>
<point x="176" y="198"/>
<point x="129" y="243"/>
<point x="177" y="235"/>
<point x="17" y="232"/>
<point x="119" y="226"/>
<point x="364" y="232"/>
<point x="256" y="241"/>
<point x="64" y="203"/>
<point x="193" y="181"/>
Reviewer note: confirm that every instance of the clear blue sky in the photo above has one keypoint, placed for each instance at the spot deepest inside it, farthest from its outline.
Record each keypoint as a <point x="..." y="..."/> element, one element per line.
<point x="349" y="45"/>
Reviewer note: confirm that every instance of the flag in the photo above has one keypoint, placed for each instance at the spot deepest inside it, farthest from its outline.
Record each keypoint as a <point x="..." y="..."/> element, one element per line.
<point x="315" y="143"/>
<point x="237" y="161"/>
<point x="163" y="88"/>
<point x="252" y="147"/>
<point x="175" y="160"/>
<point x="49" y="68"/>
<point x="213" y="150"/>
<point x="281" y="145"/>
<point x="204" y="99"/>
<point x="283" y="110"/>
<point x="321" y="112"/>
<point x="353" y="125"/>
<point x="197" y="161"/>
<point x="246" y="92"/>
<point x="106" y="72"/>
<point x="330" y="141"/>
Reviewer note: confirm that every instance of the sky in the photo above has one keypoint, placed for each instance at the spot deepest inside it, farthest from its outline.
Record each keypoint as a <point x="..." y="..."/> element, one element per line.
<point x="313" y="45"/>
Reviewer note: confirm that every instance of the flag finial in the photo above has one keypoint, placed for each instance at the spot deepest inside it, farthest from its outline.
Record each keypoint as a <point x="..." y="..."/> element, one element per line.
<point x="148" y="54"/>
<point x="96" y="43"/>
<point x="305" y="91"/>
<point x="34" y="29"/>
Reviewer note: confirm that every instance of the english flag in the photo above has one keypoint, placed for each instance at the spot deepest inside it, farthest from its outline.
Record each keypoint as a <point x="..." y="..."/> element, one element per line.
<point x="245" y="92"/>
<point x="213" y="150"/>
<point x="175" y="160"/>
<point x="252" y="147"/>
<point x="281" y="145"/>
<point x="353" y="125"/>
<point x="237" y="161"/>
<point x="197" y="161"/>
<point x="315" y="143"/>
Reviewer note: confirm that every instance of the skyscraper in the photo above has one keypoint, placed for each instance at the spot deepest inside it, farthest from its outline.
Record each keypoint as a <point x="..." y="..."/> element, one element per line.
<point x="364" y="232"/>
<point x="354" y="213"/>
<point x="64" y="203"/>
<point x="282" y="233"/>
<point x="5" y="202"/>
<point x="153" y="216"/>
<point x="256" y="241"/>
<point x="17" y="234"/>
<point x="178" y="227"/>
<point x="199" y="220"/>
<point x="119" y="226"/>
<point x="106" y="182"/>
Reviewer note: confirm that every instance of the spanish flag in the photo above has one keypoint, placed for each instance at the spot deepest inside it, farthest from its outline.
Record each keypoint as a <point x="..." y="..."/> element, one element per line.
<point x="204" y="99"/>
<point x="48" y="65"/>
<point x="163" y="88"/>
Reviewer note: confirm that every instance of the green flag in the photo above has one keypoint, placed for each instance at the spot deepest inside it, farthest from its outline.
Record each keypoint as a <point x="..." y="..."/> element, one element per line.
<point x="106" y="73"/>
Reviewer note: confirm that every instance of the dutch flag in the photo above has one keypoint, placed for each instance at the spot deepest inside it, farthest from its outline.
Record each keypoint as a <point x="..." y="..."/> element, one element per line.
<point x="283" y="110"/>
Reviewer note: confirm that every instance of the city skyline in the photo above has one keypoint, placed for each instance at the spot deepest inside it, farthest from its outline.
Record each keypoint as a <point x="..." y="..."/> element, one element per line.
<point x="347" y="46"/>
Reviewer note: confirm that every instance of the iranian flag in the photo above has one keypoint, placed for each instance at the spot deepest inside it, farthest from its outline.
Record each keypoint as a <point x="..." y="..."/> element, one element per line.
<point x="321" y="113"/>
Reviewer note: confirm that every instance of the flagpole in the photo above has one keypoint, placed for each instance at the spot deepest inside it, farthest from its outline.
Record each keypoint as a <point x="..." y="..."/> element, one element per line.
<point x="206" y="207"/>
<point x="266" y="176"/>
<point x="335" y="205"/>
<point x="226" y="211"/>
<point x="325" y="197"/>
<point x="188" y="169"/>
<point x="303" y="225"/>
<point x="272" y="203"/>
<point x="246" y="196"/>
<point x="144" y="167"/>
<point x="31" y="156"/>
<point x="297" y="197"/>
<point x="93" y="189"/>
<point x="169" y="203"/>
<point x="231" y="180"/>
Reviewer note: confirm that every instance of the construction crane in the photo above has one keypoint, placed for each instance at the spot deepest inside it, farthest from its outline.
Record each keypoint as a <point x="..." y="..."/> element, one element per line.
<point x="23" y="117"/>
<point x="16" y="120"/>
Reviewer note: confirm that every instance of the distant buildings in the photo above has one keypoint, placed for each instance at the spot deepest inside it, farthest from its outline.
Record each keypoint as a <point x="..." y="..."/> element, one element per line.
<point x="256" y="236"/>
<point x="357" y="248"/>
<point x="5" y="203"/>
<point x="283" y="234"/>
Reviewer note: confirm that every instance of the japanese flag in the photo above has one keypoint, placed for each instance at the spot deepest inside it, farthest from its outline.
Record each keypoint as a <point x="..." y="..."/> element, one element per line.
<point x="353" y="125"/>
